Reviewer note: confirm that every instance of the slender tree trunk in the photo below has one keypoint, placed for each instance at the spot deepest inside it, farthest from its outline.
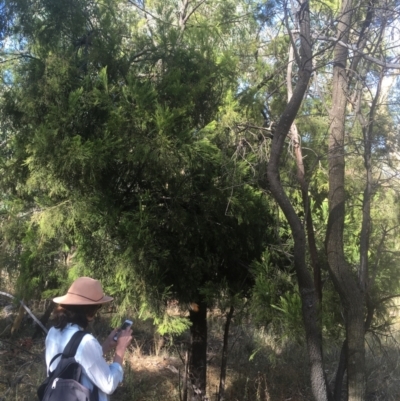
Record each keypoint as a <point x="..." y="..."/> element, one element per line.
<point x="17" y="321"/>
<point x="185" y="377"/>
<point x="337" y="394"/>
<point x="306" y="284"/>
<point x="198" y="352"/>
<point x="352" y="296"/>
<point x="221" y="392"/>
<point x="301" y="178"/>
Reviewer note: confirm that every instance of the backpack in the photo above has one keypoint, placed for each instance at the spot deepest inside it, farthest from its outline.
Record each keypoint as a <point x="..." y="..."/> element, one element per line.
<point x="63" y="384"/>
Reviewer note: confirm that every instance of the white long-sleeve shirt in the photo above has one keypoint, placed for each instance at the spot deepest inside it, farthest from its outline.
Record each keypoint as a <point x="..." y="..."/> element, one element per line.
<point x="90" y="355"/>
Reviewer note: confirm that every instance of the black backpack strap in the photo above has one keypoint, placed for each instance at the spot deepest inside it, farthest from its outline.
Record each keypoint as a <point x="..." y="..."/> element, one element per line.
<point x="94" y="395"/>
<point x="52" y="360"/>
<point x="73" y="344"/>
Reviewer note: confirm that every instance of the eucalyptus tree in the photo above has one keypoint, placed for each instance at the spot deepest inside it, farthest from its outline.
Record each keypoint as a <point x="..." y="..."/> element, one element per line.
<point x="348" y="108"/>
<point x="366" y="53"/>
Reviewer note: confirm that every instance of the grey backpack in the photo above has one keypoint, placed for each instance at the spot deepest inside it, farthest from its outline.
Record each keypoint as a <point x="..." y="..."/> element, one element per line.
<point x="63" y="383"/>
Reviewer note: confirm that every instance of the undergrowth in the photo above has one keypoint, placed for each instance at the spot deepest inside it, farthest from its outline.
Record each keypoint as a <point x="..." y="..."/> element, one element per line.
<point x="261" y="367"/>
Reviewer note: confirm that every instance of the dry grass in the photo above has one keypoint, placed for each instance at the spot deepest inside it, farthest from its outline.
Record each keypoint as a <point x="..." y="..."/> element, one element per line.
<point x="278" y="371"/>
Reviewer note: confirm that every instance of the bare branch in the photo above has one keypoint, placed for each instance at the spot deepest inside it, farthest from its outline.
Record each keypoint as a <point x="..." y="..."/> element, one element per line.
<point x="27" y="309"/>
<point x="145" y="11"/>
<point x="291" y="37"/>
<point x="368" y="57"/>
<point x="191" y="12"/>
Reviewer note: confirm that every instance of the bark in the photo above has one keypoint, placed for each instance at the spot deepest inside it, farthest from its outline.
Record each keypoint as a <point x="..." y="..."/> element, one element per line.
<point x="306" y="285"/>
<point x="315" y="262"/>
<point x="337" y="393"/>
<point x="367" y="128"/>
<point x="352" y="296"/>
<point x="185" y="378"/>
<point x="17" y="321"/>
<point x="198" y="352"/>
<point x="301" y="178"/>
<point x="221" y="392"/>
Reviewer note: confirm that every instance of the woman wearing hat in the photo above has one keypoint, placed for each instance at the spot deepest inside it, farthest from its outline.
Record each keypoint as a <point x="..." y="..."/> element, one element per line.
<point x="75" y="311"/>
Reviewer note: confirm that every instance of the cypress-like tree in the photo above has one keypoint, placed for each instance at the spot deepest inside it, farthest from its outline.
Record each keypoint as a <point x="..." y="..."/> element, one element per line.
<point x="115" y="141"/>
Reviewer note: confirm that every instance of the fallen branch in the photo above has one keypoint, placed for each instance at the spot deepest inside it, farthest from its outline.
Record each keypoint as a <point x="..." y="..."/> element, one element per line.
<point x="27" y="309"/>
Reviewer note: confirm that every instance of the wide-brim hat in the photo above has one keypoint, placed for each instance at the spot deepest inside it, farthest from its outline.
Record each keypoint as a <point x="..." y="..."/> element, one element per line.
<point x="84" y="291"/>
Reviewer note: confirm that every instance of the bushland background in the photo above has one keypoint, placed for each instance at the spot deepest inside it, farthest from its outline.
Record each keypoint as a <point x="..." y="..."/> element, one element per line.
<point x="238" y="159"/>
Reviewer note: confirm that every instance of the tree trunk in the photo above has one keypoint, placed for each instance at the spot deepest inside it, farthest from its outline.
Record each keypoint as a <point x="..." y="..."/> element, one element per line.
<point x="306" y="285"/>
<point x="198" y="352"/>
<point x="301" y="178"/>
<point x="17" y="321"/>
<point x="356" y="383"/>
<point x="221" y="392"/>
<point x="351" y="294"/>
<point x="185" y="377"/>
<point x="337" y="394"/>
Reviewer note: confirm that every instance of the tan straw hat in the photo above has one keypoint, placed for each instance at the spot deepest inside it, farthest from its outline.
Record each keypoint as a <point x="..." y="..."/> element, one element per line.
<point x="84" y="291"/>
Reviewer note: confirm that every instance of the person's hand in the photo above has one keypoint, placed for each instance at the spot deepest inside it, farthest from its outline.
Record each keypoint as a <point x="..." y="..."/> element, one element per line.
<point x="124" y="339"/>
<point x="109" y="342"/>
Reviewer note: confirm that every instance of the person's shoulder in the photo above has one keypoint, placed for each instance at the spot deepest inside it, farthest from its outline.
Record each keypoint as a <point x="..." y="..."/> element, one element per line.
<point x="52" y="333"/>
<point x="89" y="346"/>
<point x="89" y="339"/>
<point x="88" y="336"/>
<point x="62" y="335"/>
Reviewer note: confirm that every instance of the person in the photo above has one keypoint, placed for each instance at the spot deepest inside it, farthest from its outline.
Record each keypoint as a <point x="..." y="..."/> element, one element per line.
<point x="74" y="311"/>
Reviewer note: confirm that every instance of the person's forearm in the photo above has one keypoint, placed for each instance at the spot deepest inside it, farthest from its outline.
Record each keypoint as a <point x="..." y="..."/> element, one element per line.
<point x="119" y="355"/>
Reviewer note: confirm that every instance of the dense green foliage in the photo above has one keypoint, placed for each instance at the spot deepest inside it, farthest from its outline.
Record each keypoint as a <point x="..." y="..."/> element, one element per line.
<point x="116" y="145"/>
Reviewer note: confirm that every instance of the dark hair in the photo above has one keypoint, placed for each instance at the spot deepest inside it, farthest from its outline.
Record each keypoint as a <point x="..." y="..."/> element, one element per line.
<point x="75" y="314"/>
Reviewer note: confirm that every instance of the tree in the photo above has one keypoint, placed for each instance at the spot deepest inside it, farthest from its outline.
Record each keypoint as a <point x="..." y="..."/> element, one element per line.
<point x="365" y="47"/>
<point x="306" y="284"/>
<point x="353" y="291"/>
<point x="115" y="127"/>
